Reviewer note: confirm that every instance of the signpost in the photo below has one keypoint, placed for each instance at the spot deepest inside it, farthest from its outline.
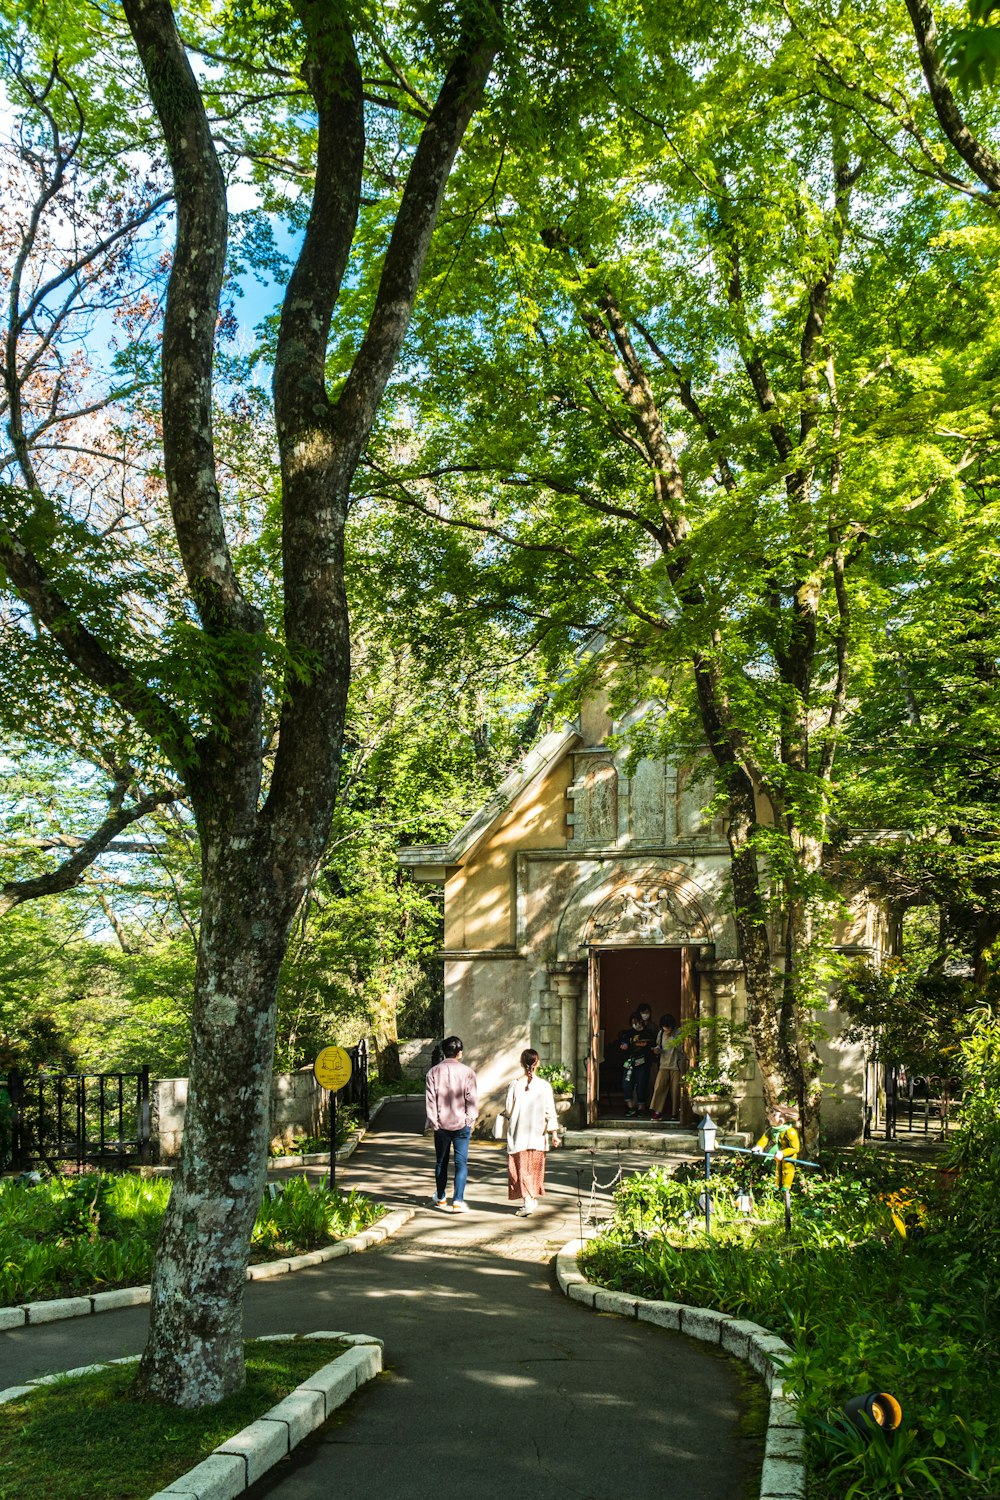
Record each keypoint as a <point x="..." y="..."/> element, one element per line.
<point x="332" y="1069"/>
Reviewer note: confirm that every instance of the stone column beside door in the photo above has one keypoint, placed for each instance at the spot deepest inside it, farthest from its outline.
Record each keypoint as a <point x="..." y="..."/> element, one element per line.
<point x="568" y="982"/>
<point x="719" y="987"/>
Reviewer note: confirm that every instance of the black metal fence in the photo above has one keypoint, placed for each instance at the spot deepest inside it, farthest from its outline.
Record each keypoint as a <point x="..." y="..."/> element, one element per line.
<point x="897" y="1101"/>
<point x="355" y="1091"/>
<point x="90" y="1119"/>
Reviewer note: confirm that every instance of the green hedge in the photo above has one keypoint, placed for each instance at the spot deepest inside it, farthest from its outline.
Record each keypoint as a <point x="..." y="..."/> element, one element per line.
<point x="69" y="1236"/>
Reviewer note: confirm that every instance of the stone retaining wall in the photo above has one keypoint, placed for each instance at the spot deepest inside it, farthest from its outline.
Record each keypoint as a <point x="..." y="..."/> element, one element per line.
<point x="297" y="1105"/>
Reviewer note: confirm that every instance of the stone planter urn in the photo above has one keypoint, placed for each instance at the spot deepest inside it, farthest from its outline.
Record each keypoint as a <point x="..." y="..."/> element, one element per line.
<point x="722" y="1108"/>
<point x="564" y="1103"/>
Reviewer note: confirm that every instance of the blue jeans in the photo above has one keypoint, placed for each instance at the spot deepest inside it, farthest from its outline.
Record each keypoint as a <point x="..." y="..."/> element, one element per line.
<point x="443" y="1142"/>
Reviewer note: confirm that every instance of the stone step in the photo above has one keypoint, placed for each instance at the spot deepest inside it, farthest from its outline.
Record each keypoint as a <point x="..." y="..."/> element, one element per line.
<point x="627" y="1135"/>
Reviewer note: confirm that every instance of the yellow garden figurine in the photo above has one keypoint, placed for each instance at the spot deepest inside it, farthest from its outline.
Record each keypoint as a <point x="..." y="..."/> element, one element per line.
<point x="780" y="1143"/>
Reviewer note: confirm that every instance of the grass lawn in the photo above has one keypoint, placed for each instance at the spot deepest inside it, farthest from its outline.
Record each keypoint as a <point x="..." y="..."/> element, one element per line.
<point x="87" y="1439"/>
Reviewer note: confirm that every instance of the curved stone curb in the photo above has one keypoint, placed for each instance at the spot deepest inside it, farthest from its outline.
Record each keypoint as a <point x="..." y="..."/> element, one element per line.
<point x="59" y="1308"/>
<point x="320" y="1158"/>
<point x="241" y="1460"/>
<point x="783" y="1475"/>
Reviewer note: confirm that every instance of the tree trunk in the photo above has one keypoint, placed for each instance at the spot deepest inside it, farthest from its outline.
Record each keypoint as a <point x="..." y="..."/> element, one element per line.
<point x="802" y="1062"/>
<point x="754" y="938"/>
<point x="194" y="1354"/>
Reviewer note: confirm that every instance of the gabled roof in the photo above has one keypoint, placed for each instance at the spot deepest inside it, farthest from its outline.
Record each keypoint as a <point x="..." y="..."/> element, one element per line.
<point x="435" y="858"/>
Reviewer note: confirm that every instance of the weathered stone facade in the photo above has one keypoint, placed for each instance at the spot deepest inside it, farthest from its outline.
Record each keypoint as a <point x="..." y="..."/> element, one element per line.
<point x="574" y="876"/>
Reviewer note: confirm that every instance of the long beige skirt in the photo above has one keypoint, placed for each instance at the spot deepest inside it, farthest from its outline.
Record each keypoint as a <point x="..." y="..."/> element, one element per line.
<point x="526" y="1174"/>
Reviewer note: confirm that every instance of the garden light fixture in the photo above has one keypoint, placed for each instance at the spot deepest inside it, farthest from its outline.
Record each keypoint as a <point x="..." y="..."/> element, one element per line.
<point x="706" y="1142"/>
<point x="874" y="1411"/>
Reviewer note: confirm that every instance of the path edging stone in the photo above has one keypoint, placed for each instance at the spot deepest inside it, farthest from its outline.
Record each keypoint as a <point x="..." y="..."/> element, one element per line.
<point x="783" y="1474"/>
<point x="56" y="1309"/>
<point x="318" y="1158"/>
<point x="240" y="1461"/>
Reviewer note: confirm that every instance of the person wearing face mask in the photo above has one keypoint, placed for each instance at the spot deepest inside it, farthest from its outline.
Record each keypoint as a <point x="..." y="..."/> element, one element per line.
<point x="667" y="1088"/>
<point x="638" y="1049"/>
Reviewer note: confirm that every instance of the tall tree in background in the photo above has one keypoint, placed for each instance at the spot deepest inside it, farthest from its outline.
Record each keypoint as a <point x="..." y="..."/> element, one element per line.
<point x="196" y="674"/>
<point x="696" y="414"/>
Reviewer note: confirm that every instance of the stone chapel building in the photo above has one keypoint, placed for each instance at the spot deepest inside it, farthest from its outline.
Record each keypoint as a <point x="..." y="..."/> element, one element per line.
<point x="579" y="891"/>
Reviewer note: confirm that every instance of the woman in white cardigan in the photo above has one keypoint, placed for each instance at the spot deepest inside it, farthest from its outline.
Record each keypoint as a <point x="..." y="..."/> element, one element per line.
<point x="531" y="1116"/>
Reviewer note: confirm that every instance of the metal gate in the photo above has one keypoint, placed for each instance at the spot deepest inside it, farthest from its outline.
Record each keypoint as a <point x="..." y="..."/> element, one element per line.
<point x="355" y="1091"/>
<point x="896" y="1101"/>
<point x="90" y="1119"/>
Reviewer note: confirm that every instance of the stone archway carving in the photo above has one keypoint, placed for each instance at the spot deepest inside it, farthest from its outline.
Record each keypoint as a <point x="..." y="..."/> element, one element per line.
<point x="650" y="903"/>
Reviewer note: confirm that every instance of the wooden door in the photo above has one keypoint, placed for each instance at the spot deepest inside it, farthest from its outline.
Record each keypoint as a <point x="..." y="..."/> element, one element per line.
<point x="594" y="1035"/>
<point x="689" y="1011"/>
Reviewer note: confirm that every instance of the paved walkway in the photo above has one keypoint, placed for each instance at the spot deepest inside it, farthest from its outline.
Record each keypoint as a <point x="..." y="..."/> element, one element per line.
<point x="496" y="1386"/>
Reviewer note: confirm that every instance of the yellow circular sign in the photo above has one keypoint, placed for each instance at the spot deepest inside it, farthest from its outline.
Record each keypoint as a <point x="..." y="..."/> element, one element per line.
<point x="333" y="1068"/>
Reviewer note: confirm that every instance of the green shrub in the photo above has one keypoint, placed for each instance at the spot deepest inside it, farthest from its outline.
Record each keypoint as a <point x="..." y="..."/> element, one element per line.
<point x="975" y="1152"/>
<point x="73" y="1235"/>
<point x="558" y="1075"/>
<point x="861" y="1307"/>
<point x="307" y="1216"/>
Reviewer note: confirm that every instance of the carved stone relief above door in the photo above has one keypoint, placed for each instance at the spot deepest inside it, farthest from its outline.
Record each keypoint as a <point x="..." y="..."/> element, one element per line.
<point x="652" y="903"/>
<point x="593" y="819"/>
<point x="641" y="914"/>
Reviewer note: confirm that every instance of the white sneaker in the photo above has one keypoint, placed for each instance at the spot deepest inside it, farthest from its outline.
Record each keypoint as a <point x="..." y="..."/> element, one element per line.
<point x="459" y="1206"/>
<point x="439" y="1203"/>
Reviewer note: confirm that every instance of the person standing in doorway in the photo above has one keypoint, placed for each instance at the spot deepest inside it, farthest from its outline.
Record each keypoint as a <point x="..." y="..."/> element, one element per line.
<point x="638" y="1056"/>
<point x="667" y="1089"/>
<point x="452" y="1100"/>
<point x="530" y="1110"/>
<point x="646" y="1017"/>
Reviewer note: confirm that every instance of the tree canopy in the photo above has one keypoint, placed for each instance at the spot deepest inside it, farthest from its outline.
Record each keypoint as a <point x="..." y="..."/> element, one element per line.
<point x="666" y="327"/>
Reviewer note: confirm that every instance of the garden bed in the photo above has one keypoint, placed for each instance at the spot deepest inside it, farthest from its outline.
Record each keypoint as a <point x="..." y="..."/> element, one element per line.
<point x="74" y="1236"/>
<point x="861" y="1306"/>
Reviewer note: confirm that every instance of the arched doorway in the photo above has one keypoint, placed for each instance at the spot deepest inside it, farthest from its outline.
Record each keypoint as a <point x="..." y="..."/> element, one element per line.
<point x="622" y="978"/>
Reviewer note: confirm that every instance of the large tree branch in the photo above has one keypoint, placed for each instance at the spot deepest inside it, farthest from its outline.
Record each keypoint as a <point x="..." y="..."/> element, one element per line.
<point x="333" y="73"/>
<point x="610" y="332"/>
<point x="751" y="356"/>
<point x="730" y="746"/>
<point x="693" y="407"/>
<point x="320" y="447"/>
<point x="87" y="257"/>
<point x="972" y="151"/>
<point x="440" y="139"/>
<point x="50" y="189"/>
<point x="67" y="875"/>
<point x="818" y="302"/>
<point x="190" y="319"/>
<point x="401" y="496"/>
<point x="898" y="109"/>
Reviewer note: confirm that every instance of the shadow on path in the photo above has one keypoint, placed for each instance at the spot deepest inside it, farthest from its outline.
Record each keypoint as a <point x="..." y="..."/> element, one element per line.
<point x="496" y="1386"/>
